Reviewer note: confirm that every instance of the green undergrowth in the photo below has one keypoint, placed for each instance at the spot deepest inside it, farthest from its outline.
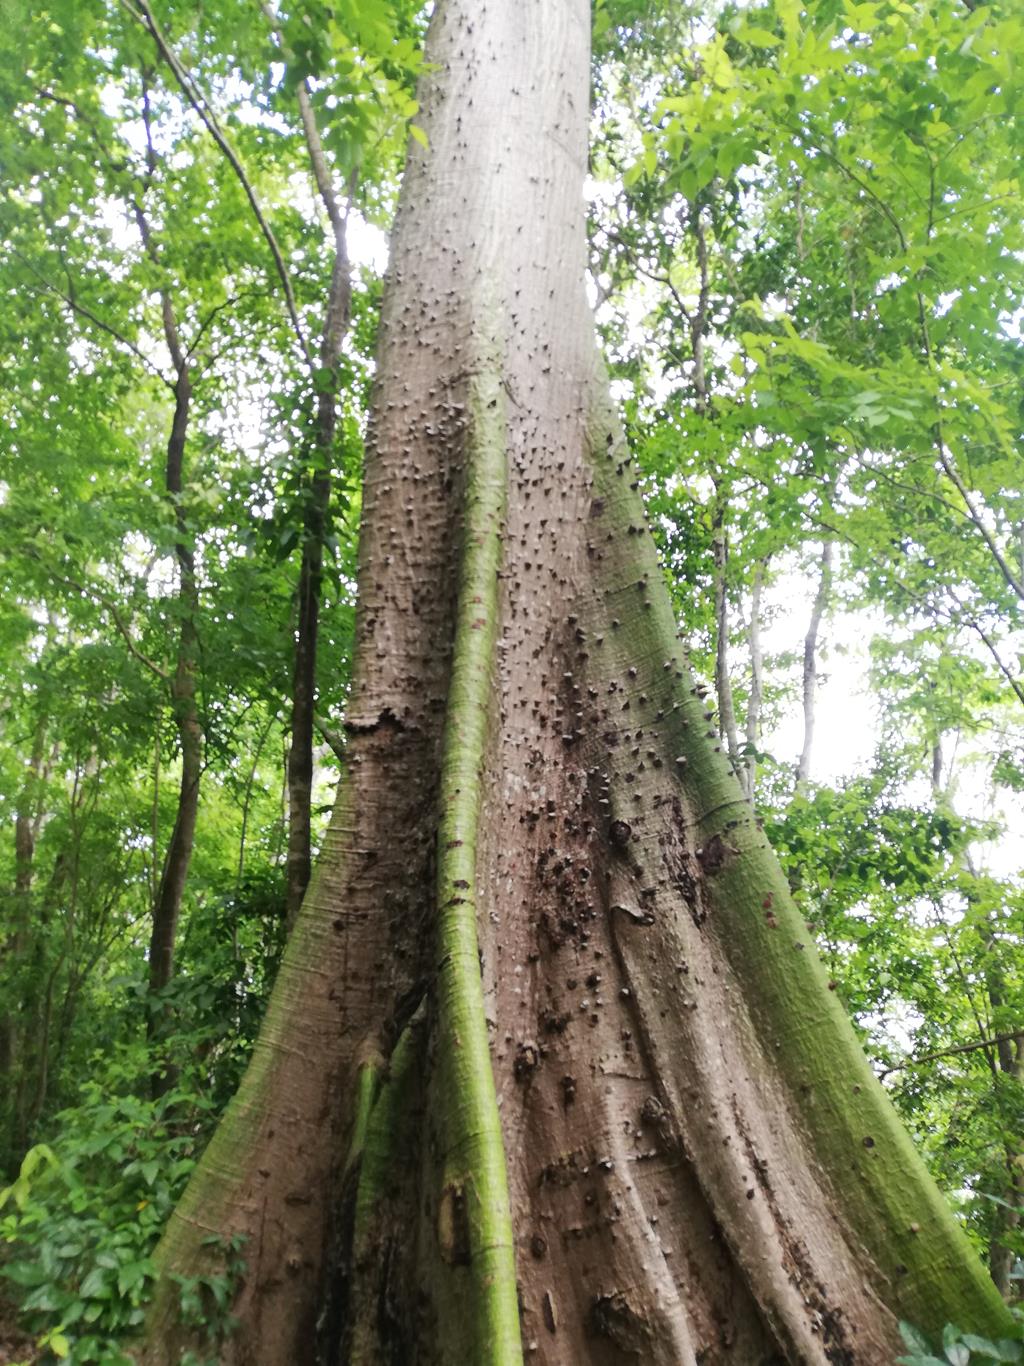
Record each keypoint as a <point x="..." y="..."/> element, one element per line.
<point x="80" y="1220"/>
<point x="959" y="1348"/>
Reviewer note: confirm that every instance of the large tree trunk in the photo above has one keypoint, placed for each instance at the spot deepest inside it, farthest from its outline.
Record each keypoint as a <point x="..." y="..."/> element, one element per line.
<point x="550" y="1045"/>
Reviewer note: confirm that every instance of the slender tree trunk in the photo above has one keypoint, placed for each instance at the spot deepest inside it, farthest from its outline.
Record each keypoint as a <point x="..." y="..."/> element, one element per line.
<point x="727" y="727"/>
<point x="1008" y="1217"/>
<point x="551" y="1066"/>
<point x="754" y="703"/>
<point x="154" y="827"/>
<point x="300" y="752"/>
<point x="24" y="952"/>
<point x="937" y="761"/>
<point x="178" y="857"/>
<point x="1009" y="1055"/>
<point x="26" y="816"/>
<point x="336" y="320"/>
<point x="810" y="674"/>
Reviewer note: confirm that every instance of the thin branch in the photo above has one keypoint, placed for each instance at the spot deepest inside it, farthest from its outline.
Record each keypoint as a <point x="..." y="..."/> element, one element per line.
<point x="946" y="458"/>
<point x="863" y="184"/>
<point x="632" y="253"/>
<point x="967" y="617"/>
<point x="986" y="640"/>
<point x="334" y="738"/>
<point x="144" y="15"/>
<point x="64" y="102"/>
<point x="117" y="618"/>
<point x="217" y="308"/>
<point x="1007" y="1037"/>
<point x="910" y="488"/>
<point x="83" y="311"/>
<point x="948" y="464"/>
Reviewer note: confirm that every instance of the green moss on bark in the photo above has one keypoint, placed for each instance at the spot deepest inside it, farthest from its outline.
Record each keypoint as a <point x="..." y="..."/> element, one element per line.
<point x="474" y="1224"/>
<point x="919" y="1257"/>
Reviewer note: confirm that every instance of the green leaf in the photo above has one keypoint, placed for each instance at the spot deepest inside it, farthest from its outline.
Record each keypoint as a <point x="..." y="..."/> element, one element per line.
<point x="983" y="1345"/>
<point x="914" y="1339"/>
<point x="95" y="1285"/>
<point x="759" y="37"/>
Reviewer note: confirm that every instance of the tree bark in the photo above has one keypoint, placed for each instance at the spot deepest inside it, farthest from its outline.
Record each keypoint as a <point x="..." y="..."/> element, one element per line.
<point x="551" y="1067"/>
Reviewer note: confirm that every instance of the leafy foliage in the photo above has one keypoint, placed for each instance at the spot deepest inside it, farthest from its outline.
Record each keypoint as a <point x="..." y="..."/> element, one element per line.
<point x="958" y="1349"/>
<point x="83" y="1215"/>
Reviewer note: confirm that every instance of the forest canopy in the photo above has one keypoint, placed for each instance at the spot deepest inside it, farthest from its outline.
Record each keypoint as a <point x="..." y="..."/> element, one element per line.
<point x="805" y="252"/>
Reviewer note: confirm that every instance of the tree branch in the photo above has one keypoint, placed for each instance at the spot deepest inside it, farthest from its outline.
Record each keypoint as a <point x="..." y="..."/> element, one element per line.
<point x="81" y="309"/>
<point x="117" y="618"/>
<point x="144" y="15"/>
<point x="1007" y="1037"/>
<point x="948" y="464"/>
<point x="45" y="94"/>
<point x="334" y="738"/>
